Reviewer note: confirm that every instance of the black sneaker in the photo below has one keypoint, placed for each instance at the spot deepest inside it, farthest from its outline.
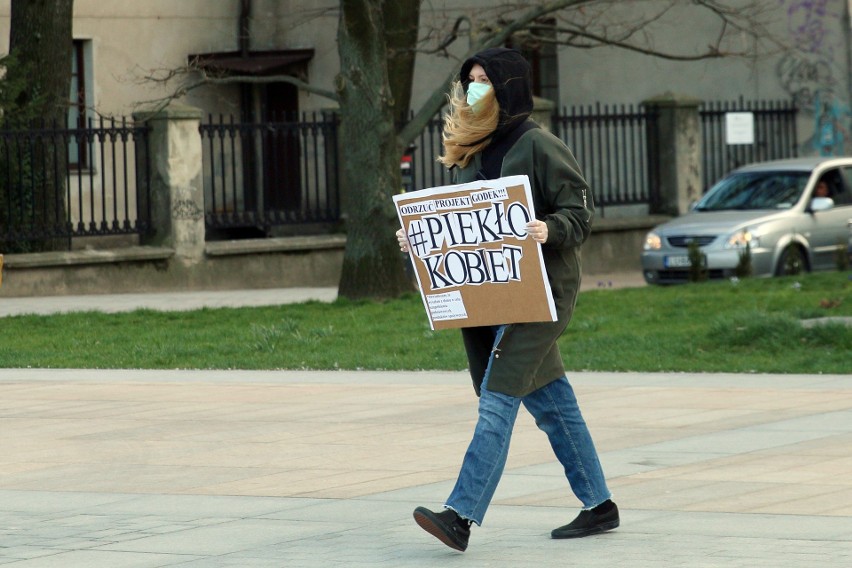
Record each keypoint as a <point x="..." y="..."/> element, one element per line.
<point x="446" y="526"/>
<point x="602" y="518"/>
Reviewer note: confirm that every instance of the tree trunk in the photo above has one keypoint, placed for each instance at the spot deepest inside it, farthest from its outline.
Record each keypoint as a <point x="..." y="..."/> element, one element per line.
<point x="39" y="73"/>
<point x="371" y="153"/>
<point x="401" y="24"/>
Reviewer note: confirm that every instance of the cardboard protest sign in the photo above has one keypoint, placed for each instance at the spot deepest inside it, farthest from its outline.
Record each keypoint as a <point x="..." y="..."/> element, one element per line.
<point x="474" y="261"/>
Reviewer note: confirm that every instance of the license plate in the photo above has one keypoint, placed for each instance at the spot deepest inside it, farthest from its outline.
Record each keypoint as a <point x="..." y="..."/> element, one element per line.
<point x="676" y="261"/>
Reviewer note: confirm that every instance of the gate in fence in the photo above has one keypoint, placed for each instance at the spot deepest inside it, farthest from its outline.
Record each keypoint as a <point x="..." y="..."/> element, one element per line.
<point x="263" y="175"/>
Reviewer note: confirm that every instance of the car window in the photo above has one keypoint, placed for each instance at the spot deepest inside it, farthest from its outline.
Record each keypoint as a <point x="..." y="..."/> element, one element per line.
<point x="844" y="190"/>
<point x="833" y="182"/>
<point x="755" y="190"/>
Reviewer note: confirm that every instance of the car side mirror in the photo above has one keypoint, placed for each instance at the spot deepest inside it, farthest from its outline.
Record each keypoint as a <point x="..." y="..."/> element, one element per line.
<point x="821" y="204"/>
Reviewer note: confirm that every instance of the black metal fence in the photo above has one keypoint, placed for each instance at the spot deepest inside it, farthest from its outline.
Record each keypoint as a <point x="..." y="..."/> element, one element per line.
<point x="611" y="145"/>
<point x="60" y="183"/>
<point x="260" y="176"/>
<point x="774" y="135"/>
<point x="609" y="142"/>
<point x="285" y="172"/>
<point x="615" y="147"/>
<point x="423" y="169"/>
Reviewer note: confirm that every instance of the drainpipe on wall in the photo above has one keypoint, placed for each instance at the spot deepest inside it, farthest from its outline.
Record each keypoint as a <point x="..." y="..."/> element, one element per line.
<point x="244" y="44"/>
<point x="244" y="33"/>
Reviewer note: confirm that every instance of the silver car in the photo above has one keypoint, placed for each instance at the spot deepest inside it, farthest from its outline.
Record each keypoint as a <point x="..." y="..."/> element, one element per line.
<point x="792" y="214"/>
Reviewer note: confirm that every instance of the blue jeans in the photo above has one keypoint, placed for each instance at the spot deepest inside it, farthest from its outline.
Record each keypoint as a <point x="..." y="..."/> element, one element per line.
<point x="557" y="413"/>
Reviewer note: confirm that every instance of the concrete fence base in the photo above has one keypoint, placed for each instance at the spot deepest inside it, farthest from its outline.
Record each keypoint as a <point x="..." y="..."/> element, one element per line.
<point x="614" y="246"/>
<point x="267" y="263"/>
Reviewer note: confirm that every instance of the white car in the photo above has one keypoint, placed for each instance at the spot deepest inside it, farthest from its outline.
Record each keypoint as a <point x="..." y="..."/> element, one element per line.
<point x="792" y="214"/>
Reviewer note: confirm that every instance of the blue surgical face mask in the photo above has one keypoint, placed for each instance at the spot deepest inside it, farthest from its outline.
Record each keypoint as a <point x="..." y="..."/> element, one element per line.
<point x="475" y="91"/>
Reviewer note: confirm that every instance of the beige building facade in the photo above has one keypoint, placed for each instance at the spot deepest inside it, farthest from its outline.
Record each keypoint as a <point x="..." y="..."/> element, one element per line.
<point x="124" y="49"/>
<point x="122" y="44"/>
<point x="133" y="55"/>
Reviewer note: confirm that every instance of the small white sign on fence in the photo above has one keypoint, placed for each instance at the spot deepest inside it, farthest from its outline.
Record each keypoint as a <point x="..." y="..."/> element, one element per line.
<point x="739" y="128"/>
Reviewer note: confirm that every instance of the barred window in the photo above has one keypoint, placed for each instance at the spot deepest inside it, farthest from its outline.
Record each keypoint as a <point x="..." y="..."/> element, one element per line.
<point x="78" y="150"/>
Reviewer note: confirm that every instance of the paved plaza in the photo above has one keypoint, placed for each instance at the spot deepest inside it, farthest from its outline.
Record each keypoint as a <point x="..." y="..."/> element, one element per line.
<point x="305" y="469"/>
<point x="315" y="469"/>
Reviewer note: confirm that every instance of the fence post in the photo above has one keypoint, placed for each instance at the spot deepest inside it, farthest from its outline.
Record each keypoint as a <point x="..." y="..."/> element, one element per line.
<point x="177" y="191"/>
<point x="676" y="153"/>
<point x="542" y="112"/>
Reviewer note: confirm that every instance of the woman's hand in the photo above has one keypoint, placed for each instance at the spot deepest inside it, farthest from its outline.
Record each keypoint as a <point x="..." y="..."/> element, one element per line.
<point x="402" y="239"/>
<point x="537" y="230"/>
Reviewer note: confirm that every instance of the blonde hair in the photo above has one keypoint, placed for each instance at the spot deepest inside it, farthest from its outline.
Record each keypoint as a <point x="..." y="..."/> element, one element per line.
<point x="467" y="130"/>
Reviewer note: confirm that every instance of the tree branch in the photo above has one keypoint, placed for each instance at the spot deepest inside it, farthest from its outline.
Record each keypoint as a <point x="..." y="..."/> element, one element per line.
<point x="437" y="100"/>
<point x="713" y="51"/>
<point x="205" y="78"/>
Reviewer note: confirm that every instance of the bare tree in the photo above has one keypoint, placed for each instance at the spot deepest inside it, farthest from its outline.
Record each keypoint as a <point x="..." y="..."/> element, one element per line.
<point x="378" y="41"/>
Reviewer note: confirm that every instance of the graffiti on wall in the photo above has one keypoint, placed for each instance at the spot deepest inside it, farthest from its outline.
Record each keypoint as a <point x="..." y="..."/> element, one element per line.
<point x="808" y="74"/>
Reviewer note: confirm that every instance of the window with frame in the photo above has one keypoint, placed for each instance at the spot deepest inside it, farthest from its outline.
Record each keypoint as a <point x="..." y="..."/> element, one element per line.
<point x="843" y="194"/>
<point x="538" y="46"/>
<point x="78" y="145"/>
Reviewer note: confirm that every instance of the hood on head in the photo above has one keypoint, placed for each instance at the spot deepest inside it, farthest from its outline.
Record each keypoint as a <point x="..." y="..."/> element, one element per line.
<point x="511" y="78"/>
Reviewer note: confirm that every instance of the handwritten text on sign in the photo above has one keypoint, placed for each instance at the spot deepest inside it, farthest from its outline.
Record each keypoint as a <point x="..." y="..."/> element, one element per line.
<point x="441" y="227"/>
<point x="473" y="258"/>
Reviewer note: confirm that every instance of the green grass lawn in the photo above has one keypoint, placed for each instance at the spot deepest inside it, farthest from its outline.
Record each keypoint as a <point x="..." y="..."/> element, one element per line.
<point x="752" y="326"/>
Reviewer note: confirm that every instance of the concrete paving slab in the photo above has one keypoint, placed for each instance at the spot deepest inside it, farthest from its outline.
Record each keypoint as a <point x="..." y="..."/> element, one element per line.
<point x="309" y="469"/>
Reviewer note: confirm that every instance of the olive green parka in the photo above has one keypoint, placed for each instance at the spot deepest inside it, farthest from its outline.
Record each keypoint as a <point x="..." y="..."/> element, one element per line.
<point x="527" y="356"/>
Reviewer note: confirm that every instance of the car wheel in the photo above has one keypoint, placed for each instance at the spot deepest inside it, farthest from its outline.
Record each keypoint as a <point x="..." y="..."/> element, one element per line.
<point x="793" y="261"/>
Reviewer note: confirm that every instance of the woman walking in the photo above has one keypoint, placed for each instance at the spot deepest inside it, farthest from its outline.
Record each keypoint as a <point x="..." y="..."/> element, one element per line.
<point x="487" y="135"/>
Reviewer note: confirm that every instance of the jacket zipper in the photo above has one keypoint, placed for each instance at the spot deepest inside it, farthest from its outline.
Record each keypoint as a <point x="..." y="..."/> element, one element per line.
<point x="496" y="349"/>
